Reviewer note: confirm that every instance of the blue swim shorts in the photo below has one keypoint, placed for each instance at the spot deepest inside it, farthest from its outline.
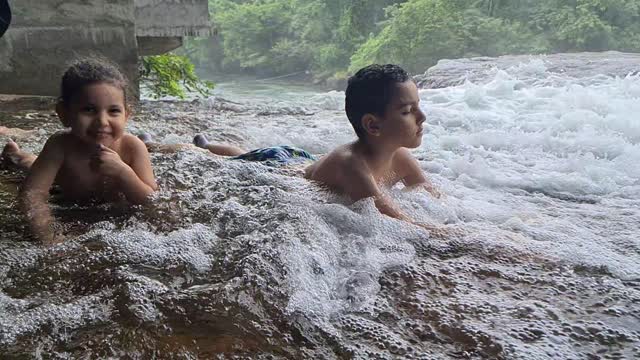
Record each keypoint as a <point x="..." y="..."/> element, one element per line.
<point x="278" y="154"/>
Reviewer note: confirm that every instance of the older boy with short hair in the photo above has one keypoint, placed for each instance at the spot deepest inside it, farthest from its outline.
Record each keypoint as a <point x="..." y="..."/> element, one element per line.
<point x="383" y="105"/>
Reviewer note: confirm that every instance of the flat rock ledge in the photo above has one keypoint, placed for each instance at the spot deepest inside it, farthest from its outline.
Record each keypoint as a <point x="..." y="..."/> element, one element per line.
<point x="481" y="69"/>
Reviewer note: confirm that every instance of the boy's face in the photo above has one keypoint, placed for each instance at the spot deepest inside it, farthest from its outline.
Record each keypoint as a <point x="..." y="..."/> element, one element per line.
<point x="402" y="121"/>
<point x="97" y="114"/>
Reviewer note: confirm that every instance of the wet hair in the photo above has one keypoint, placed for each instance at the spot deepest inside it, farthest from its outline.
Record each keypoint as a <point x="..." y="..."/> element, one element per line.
<point x="88" y="71"/>
<point x="370" y="91"/>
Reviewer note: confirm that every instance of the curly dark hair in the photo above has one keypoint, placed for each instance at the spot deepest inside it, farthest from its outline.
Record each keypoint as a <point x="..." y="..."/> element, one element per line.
<point x="370" y="91"/>
<point x="92" y="70"/>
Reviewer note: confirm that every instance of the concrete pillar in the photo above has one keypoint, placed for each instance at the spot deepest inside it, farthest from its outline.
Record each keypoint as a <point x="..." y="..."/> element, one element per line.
<point x="45" y="36"/>
<point x="159" y="18"/>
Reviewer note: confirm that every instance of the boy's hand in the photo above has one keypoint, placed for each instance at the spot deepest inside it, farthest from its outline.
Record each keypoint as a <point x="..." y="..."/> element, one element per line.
<point x="107" y="162"/>
<point x="426" y="187"/>
<point x="432" y="190"/>
<point x="45" y="229"/>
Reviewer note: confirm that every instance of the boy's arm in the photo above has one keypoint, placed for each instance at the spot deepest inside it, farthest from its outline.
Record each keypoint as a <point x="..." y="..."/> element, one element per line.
<point x="362" y="186"/>
<point x="136" y="179"/>
<point x="34" y="192"/>
<point x="141" y="164"/>
<point x="359" y="184"/>
<point x="414" y="177"/>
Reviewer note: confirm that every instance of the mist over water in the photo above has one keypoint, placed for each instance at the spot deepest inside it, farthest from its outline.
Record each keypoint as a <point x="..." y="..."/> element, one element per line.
<point x="541" y="177"/>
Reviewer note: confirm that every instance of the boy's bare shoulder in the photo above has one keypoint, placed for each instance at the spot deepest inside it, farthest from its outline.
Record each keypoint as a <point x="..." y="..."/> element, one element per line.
<point x="404" y="160"/>
<point x="57" y="147"/>
<point x="403" y="157"/>
<point x="132" y="148"/>
<point x="60" y="135"/>
<point x="130" y="140"/>
<point x="341" y="169"/>
<point x="337" y="159"/>
<point x="351" y="162"/>
<point x="132" y="144"/>
<point x="343" y="155"/>
<point x="59" y="140"/>
<point x="407" y="168"/>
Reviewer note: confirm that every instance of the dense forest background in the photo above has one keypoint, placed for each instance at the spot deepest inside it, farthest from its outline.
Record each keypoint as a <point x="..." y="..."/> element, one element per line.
<point x="328" y="39"/>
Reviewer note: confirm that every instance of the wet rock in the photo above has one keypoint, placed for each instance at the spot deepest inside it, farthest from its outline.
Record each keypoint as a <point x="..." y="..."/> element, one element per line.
<point x="482" y="69"/>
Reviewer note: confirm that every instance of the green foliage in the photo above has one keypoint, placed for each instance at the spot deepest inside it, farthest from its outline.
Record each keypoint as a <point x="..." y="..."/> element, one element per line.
<point x="205" y="53"/>
<point x="590" y="25"/>
<point x="274" y="37"/>
<point x="420" y="32"/>
<point x="256" y="34"/>
<point x="333" y="37"/>
<point x="171" y="74"/>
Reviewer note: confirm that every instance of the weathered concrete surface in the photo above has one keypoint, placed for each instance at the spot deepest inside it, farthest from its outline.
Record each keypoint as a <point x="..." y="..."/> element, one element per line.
<point x="170" y="18"/>
<point x="480" y="69"/>
<point x="161" y="24"/>
<point x="46" y="35"/>
<point x="150" y="45"/>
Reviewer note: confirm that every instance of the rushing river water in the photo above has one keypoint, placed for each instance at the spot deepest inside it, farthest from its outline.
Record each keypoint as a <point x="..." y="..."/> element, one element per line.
<point x="541" y="172"/>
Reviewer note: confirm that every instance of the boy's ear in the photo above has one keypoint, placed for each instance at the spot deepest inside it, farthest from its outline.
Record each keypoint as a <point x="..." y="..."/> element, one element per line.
<point x="371" y="124"/>
<point x="62" y="114"/>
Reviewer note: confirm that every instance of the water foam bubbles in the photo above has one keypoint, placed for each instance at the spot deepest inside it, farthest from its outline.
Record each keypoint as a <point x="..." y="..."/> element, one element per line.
<point x="540" y="180"/>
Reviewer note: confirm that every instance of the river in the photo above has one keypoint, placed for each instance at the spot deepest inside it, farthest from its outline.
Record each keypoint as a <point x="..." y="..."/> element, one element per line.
<point x="540" y="171"/>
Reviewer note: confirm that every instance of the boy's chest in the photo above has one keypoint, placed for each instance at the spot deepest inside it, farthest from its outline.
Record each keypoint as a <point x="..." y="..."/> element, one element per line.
<point x="79" y="177"/>
<point x="387" y="176"/>
<point x="387" y="179"/>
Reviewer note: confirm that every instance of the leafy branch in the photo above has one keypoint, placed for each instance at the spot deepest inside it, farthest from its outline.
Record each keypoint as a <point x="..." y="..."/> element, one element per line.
<point x="171" y="75"/>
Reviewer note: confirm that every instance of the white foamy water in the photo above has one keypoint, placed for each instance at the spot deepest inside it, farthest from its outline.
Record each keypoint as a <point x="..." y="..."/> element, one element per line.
<point x="542" y="189"/>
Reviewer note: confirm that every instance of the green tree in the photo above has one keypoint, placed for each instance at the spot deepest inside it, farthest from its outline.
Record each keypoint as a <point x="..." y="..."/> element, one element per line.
<point x="256" y="34"/>
<point x="329" y="37"/>
<point x="171" y="75"/>
<point x="589" y="25"/>
<point x="419" y="33"/>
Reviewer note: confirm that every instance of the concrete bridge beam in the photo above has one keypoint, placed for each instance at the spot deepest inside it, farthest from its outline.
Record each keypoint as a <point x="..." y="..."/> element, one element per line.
<point x="45" y="36"/>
